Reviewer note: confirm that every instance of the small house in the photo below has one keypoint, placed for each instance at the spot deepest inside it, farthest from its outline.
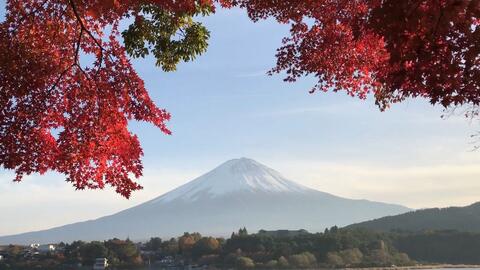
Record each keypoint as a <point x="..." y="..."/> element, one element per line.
<point x="100" y="264"/>
<point x="43" y="249"/>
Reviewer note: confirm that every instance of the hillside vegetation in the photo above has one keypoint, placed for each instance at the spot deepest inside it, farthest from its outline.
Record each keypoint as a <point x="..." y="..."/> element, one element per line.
<point x="466" y="219"/>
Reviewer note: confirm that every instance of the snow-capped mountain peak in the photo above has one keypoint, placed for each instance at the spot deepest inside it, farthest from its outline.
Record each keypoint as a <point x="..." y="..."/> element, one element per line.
<point x="240" y="192"/>
<point x="233" y="176"/>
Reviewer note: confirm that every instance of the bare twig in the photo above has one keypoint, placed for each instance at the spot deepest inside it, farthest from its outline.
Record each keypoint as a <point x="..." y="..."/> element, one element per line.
<point x="77" y="50"/>
<point x="61" y="76"/>
<point x="82" y="25"/>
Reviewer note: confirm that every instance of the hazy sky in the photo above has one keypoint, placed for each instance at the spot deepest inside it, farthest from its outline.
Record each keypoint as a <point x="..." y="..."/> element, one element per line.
<point x="224" y="107"/>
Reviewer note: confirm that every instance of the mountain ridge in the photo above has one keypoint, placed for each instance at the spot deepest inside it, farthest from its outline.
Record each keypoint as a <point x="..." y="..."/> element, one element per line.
<point x="466" y="218"/>
<point x="238" y="193"/>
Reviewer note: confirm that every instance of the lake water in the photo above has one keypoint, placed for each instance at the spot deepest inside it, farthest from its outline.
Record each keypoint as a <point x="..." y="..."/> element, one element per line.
<point x="404" y="268"/>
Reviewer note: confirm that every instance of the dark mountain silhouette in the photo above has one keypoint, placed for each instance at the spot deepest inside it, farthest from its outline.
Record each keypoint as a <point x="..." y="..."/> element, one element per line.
<point x="465" y="219"/>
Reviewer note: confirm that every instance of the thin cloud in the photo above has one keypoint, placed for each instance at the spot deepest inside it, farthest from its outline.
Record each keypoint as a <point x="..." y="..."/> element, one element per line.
<point x="336" y="109"/>
<point x="252" y="74"/>
<point x="421" y="186"/>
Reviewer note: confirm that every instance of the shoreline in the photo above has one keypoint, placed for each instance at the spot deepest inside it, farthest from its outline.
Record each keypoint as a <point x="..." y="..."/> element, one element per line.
<point x="420" y="266"/>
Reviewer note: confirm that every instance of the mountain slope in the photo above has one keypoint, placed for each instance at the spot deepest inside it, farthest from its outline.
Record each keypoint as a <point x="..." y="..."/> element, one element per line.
<point x="453" y="218"/>
<point x="238" y="193"/>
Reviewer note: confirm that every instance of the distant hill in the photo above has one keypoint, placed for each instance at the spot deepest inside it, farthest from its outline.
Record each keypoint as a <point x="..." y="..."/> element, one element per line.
<point x="465" y="219"/>
<point x="239" y="193"/>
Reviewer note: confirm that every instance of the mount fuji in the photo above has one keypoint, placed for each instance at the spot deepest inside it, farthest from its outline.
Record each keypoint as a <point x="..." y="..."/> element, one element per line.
<point x="238" y="193"/>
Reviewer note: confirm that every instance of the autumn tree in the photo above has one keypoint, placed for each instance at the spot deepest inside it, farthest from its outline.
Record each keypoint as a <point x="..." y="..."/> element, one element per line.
<point x="393" y="49"/>
<point x="125" y="251"/>
<point x="334" y="259"/>
<point x="303" y="260"/>
<point x="244" y="262"/>
<point x="187" y="241"/>
<point x="62" y="111"/>
<point x="205" y="246"/>
<point x="351" y="256"/>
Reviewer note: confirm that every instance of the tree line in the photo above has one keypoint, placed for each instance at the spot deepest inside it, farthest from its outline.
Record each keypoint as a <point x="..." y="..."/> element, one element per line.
<point x="333" y="248"/>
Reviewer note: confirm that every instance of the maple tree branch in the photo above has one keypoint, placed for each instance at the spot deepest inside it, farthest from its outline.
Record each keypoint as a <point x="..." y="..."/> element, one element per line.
<point x="83" y="71"/>
<point x="75" y="61"/>
<point x="82" y="25"/>
<point x="60" y="77"/>
<point x="77" y="50"/>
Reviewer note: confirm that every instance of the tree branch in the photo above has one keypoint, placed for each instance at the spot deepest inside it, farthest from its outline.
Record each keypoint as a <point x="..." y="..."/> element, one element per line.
<point x="84" y="28"/>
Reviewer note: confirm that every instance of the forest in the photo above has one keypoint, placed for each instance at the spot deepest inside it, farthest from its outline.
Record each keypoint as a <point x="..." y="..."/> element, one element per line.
<point x="464" y="219"/>
<point x="334" y="248"/>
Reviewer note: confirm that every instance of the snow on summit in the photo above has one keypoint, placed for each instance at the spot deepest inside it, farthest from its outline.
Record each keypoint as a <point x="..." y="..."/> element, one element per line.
<point x="240" y="192"/>
<point x="235" y="175"/>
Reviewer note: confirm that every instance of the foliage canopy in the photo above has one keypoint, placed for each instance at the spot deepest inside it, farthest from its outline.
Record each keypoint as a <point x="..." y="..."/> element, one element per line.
<point x="58" y="113"/>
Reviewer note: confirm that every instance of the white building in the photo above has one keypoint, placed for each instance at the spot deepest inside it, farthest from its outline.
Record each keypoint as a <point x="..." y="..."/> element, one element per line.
<point x="100" y="264"/>
<point x="46" y="248"/>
